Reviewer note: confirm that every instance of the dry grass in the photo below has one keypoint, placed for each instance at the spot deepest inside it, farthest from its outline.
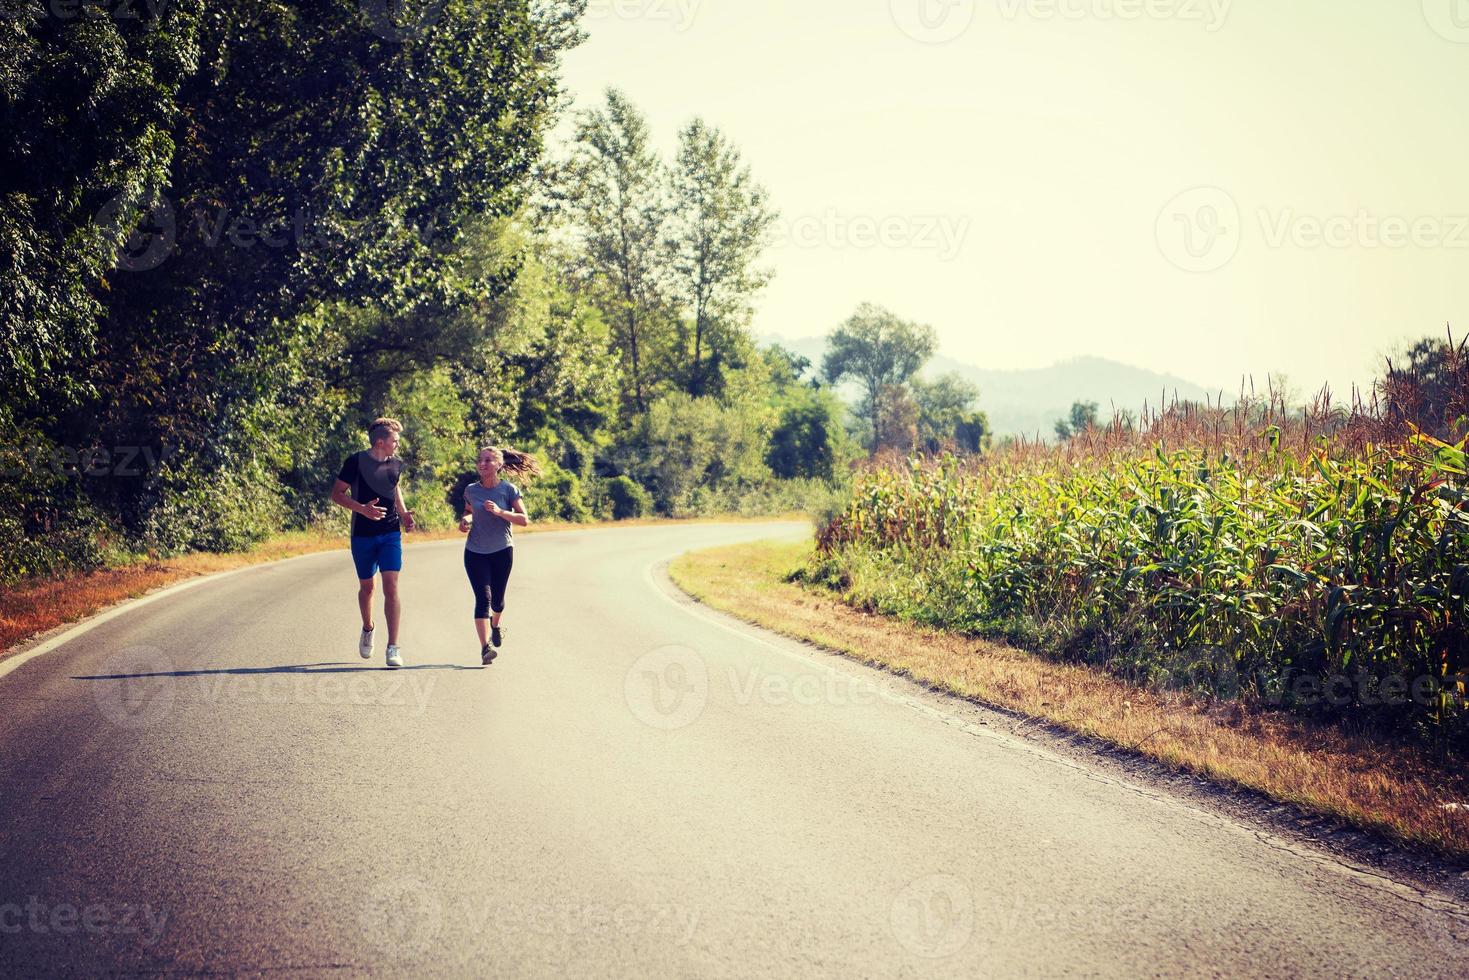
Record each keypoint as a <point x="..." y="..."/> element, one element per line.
<point x="31" y="608"/>
<point x="1390" y="790"/>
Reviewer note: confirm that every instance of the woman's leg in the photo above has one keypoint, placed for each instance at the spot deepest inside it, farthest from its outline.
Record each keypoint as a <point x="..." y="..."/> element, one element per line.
<point x="499" y="579"/>
<point x="477" y="567"/>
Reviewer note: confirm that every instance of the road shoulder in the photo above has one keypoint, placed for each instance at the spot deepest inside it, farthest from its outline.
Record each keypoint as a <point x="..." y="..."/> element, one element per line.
<point x="746" y="584"/>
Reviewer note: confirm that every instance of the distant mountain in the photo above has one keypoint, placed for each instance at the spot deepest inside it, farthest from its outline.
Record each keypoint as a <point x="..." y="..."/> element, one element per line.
<point x="1029" y="402"/>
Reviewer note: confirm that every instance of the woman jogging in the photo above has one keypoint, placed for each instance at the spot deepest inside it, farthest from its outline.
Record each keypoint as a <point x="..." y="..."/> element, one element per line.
<point x="492" y="508"/>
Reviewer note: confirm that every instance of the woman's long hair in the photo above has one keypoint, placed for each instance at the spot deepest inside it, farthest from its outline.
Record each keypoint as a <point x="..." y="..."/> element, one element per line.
<point x="517" y="463"/>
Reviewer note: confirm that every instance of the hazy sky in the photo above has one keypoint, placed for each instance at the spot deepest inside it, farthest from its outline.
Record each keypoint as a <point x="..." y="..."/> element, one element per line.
<point x="1206" y="187"/>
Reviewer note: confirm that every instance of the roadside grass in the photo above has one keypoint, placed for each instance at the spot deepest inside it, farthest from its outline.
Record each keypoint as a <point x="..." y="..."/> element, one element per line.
<point x="1395" y="791"/>
<point x="29" y="609"/>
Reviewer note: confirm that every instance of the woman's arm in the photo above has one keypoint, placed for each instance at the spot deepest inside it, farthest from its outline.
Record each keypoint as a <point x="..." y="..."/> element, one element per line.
<point x="518" y="516"/>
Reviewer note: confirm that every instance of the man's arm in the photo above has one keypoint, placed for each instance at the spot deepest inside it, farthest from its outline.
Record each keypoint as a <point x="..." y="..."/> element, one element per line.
<point x="403" y="512"/>
<point x="342" y="496"/>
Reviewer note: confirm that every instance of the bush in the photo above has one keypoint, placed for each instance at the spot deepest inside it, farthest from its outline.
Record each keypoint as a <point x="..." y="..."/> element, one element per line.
<point x="228" y="509"/>
<point x="558" y="495"/>
<point x="629" y="500"/>
<point x="79" y="541"/>
<point x="804" y="442"/>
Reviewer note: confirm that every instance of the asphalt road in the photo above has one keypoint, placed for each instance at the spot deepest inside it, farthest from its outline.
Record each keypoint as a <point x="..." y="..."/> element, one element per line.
<point x="215" y="782"/>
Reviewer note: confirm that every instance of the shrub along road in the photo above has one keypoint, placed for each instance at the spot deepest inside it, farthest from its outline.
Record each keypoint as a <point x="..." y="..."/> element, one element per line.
<point x="637" y="787"/>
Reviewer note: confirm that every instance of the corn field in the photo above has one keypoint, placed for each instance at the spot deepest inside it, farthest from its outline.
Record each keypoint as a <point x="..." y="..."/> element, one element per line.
<point x="1316" y="561"/>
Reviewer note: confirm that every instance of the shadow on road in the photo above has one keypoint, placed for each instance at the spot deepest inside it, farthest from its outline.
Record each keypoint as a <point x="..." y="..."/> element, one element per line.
<point x="326" y="668"/>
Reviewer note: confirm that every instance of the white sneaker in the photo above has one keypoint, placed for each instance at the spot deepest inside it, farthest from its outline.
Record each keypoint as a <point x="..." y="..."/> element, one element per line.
<point x="364" y="645"/>
<point x="395" y="656"/>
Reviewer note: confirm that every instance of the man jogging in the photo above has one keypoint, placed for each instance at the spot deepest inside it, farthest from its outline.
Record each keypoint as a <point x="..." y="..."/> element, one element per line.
<point x="366" y="480"/>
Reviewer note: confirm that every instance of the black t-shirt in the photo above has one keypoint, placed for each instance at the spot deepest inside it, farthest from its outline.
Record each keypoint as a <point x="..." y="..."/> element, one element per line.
<point x="370" y="479"/>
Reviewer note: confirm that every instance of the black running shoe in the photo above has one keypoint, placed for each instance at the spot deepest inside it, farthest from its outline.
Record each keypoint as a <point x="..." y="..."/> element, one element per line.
<point x="496" y="636"/>
<point x="486" y="655"/>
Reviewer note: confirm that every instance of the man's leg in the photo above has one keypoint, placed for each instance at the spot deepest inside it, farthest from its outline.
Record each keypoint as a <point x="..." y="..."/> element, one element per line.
<point x="364" y="601"/>
<point x="391" y="606"/>
<point x="365" y="559"/>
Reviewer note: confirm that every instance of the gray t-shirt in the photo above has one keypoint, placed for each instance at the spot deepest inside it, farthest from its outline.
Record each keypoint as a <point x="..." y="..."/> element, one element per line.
<point x="489" y="534"/>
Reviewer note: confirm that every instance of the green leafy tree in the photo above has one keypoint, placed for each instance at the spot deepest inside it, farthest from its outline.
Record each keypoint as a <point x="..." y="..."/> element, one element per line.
<point x="614" y="190"/>
<point x="90" y="114"/>
<point x="1428" y="384"/>
<point x="787" y="368"/>
<point x="897" y="416"/>
<point x="880" y="350"/>
<point x="808" y="439"/>
<point x="947" y="417"/>
<point x="720" y="222"/>
<point x="1083" y="418"/>
<point x="305" y="178"/>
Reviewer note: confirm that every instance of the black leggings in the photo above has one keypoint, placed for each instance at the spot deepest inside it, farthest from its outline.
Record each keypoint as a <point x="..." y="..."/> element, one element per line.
<point x="488" y="575"/>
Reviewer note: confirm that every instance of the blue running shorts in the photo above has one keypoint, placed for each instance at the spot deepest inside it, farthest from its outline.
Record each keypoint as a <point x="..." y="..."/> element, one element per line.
<point x="382" y="552"/>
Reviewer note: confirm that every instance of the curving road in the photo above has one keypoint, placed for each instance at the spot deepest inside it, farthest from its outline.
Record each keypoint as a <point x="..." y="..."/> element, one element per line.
<point x="214" y="782"/>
